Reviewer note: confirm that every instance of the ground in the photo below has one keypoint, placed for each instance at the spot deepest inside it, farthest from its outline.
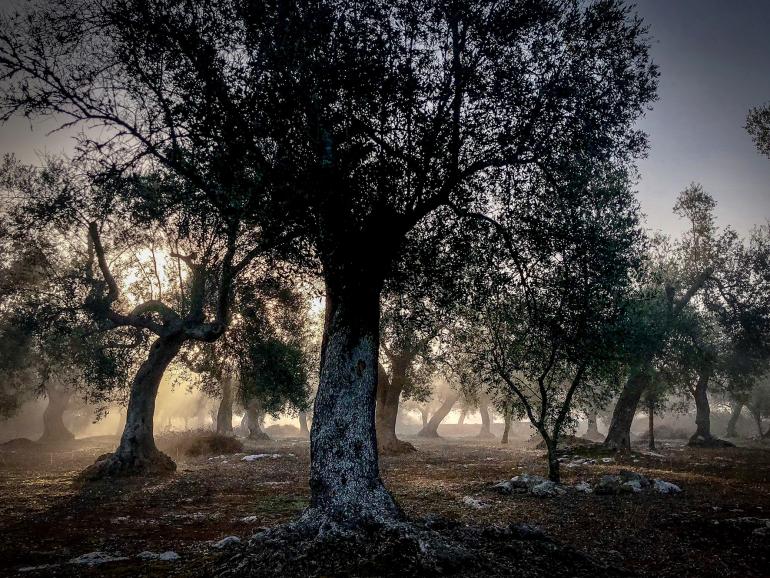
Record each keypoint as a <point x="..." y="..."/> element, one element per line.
<point x="707" y="530"/>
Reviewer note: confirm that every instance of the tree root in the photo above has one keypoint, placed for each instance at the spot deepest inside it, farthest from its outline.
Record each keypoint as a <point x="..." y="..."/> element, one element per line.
<point x="259" y="436"/>
<point x="698" y="441"/>
<point x="115" y="465"/>
<point x="429" y="547"/>
<point x="395" y="446"/>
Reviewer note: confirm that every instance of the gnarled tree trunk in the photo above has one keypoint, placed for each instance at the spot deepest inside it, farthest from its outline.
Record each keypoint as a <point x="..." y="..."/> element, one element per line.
<point x="388" y="397"/>
<point x="137" y="454"/>
<point x="508" y="418"/>
<point x="303" y="429"/>
<point x="592" y="431"/>
<point x="54" y="429"/>
<point x="486" y="421"/>
<point x="735" y="414"/>
<point x="431" y="429"/>
<point x="225" y="411"/>
<point x="254" y="417"/>
<point x="619" y="433"/>
<point x="702" y="435"/>
<point x="651" y="423"/>
<point x="346" y="489"/>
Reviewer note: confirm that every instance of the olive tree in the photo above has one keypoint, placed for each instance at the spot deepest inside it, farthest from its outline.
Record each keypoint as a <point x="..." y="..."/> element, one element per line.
<point x="341" y="125"/>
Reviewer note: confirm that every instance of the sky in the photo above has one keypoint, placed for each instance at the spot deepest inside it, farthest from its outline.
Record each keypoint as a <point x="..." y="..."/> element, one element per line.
<point x="714" y="59"/>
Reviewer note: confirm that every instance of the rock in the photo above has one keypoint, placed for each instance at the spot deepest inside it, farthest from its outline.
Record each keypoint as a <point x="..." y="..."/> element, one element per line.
<point x="474" y="503"/>
<point x="664" y="487"/>
<point x="96" y="558"/>
<point x="608" y="460"/>
<point x="633" y="486"/>
<point x="627" y="476"/>
<point x="227" y="542"/>
<point x="506" y="487"/>
<point x="531" y="484"/>
<point x="584" y="487"/>
<point x="255" y="457"/>
<point x="168" y="556"/>
<point x="608" y="485"/>
<point x="546" y="489"/>
<point x="250" y="520"/>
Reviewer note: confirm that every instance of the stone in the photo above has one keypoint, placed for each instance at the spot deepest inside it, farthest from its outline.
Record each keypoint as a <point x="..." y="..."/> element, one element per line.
<point x="664" y="487"/>
<point x="227" y="542"/>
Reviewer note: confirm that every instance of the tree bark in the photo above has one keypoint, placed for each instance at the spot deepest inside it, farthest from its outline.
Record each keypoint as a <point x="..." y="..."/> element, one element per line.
<point x="651" y="423"/>
<point x="54" y="429"/>
<point x="461" y="419"/>
<point x="702" y="409"/>
<point x="225" y="411"/>
<point x="508" y="419"/>
<point x="619" y="433"/>
<point x="735" y="414"/>
<point x="388" y="397"/>
<point x="554" y="474"/>
<point x="303" y="429"/>
<point x="592" y="431"/>
<point x="486" y="421"/>
<point x="431" y="429"/>
<point x="254" y="417"/>
<point x="345" y="485"/>
<point x="137" y="453"/>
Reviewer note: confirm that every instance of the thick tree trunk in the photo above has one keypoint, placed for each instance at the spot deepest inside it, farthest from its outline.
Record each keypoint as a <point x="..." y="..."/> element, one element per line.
<point x="254" y="417"/>
<point x="137" y="454"/>
<point x="592" y="432"/>
<point x="508" y="419"/>
<point x="424" y="414"/>
<point x="461" y="419"/>
<point x="554" y="474"/>
<point x="702" y="410"/>
<point x="303" y="429"/>
<point x="388" y="397"/>
<point x="431" y="429"/>
<point x="651" y="423"/>
<point x="345" y="485"/>
<point x="702" y="435"/>
<point x="225" y="411"/>
<point x="54" y="429"/>
<point x="619" y="433"/>
<point x="735" y="414"/>
<point x="486" y="421"/>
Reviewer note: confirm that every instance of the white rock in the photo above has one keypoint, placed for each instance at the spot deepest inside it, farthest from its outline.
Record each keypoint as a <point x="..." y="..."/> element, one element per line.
<point x="168" y="556"/>
<point x="664" y="487"/>
<point x="254" y="457"/>
<point x="96" y="558"/>
<point x="227" y="542"/>
<point x="250" y="520"/>
<point x="608" y="460"/>
<point x="634" y="485"/>
<point x="474" y="503"/>
<point x="584" y="487"/>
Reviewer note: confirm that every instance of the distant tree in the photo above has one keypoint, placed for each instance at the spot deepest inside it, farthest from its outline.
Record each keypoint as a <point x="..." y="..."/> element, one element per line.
<point x="47" y="347"/>
<point x="758" y="126"/>
<point x="148" y="264"/>
<point x="544" y="321"/>
<point x="671" y="282"/>
<point x="345" y="124"/>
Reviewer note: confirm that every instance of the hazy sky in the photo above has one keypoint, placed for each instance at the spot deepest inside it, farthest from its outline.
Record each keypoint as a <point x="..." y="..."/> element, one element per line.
<point x="714" y="57"/>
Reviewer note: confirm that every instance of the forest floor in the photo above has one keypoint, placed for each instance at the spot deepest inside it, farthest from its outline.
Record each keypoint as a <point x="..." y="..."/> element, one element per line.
<point x="713" y="528"/>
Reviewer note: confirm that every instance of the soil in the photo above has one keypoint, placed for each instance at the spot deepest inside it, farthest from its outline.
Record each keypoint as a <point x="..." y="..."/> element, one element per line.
<point x="713" y="528"/>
